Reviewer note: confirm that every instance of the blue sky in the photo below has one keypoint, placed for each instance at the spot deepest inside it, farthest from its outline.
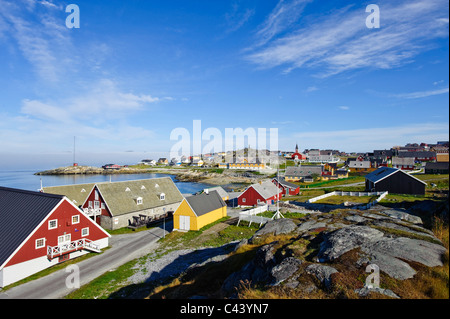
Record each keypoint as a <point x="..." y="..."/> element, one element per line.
<point x="136" y="70"/>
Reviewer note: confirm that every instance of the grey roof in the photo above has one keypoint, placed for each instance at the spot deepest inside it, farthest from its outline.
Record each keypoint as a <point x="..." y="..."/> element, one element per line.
<point x="303" y="171"/>
<point x="359" y="164"/>
<point x="419" y="154"/>
<point x="218" y="189"/>
<point x="382" y="152"/>
<point x="120" y="197"/>
<point x="21" y="212"/>
<point x="205" y="203"/>
<point x="120" y="201"/>
<point x="384" y="172"/>
<point x="266" y="189"/>
<point x="403" y="161"/>
<point x="286" y="184"/>
<point x="77" y="193"/>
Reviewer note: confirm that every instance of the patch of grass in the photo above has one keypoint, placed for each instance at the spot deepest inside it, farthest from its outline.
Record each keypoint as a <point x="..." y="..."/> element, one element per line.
<point x="287" y="214"/>
<point x="229" y="234"/>
<point x="337" y="200"/>
<point x="105" y="285"/>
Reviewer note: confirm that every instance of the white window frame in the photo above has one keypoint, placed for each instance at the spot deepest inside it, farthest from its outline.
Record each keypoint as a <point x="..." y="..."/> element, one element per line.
<point x="162" y="196"/>
<point x="77" y="219"/>
<point x="66" y="238"/>
<point x="83" y="230"/>
<point x="40" y="246"/>
<point x="139" y="201"/>
<point x="50" y="222"/>
<point x="243" y="200"/>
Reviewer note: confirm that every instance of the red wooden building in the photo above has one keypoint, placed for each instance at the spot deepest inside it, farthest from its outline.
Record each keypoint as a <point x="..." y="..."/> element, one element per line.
<point x="39" y="230"/>
<point x="289" y="189"/>
<point x="260" y="193"/>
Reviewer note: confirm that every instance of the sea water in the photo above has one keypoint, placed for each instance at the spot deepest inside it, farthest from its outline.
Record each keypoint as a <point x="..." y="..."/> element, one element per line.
<point x="25" y="179"/>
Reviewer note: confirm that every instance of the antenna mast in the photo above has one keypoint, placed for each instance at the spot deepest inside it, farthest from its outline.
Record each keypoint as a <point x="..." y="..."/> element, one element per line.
<point x="278" y="215"/>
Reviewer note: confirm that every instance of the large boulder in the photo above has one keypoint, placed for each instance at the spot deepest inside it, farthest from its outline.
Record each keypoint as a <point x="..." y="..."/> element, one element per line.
<point x="420" y="251"/>
<point x="391" y="254"/>
<point x="322" y="273"/>
<point x="402" y="215"/>
<point x="285" y="269"/>
<point x="275" y="227"/>
<point x="345" y="239"/>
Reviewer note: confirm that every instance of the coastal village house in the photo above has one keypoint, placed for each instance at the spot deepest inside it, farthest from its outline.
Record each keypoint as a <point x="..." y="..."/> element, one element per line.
<point x="288" y="189"/>
<point x="113" y="205"/>
<point x="421" y="156"/>
<point x="403" y="163"/>
<point x="302" y="173"/>
<point x="360" y="166"/>
<point x="199" y="210"/>
<point x="437" y="168"/>
<point x="39" y="230"/>
<point x="260" y="193"/>
<point x="395" y="181"/>
<point x="223" y="193"/>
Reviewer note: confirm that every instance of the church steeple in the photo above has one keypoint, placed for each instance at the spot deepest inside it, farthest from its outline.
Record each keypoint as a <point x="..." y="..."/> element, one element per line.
<point x="296" y="148"/>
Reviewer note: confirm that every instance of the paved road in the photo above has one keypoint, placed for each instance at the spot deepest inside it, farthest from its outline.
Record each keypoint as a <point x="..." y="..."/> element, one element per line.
<point x="124" y="248"/>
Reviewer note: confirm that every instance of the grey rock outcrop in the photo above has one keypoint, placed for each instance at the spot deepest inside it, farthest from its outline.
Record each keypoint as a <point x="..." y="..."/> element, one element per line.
<point x="364" y="292"/>
<point x="345" y="239"/>
<point x="402" y="215"/>
<point x="275" y="227"/>
<point x="265" y="267"/>
<point x="389" y="253"/>
<point x="322" y="273"/>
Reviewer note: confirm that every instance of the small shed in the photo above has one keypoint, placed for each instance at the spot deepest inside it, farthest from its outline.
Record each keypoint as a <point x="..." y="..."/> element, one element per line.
<point x="199" y="210"/>
<point x="395" y="181"/>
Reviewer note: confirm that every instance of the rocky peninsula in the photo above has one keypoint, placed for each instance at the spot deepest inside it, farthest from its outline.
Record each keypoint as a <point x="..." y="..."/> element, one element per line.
<point x="208" y="176"/>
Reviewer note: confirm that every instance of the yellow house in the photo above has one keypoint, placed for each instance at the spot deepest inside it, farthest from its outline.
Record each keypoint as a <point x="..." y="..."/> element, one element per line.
<point x="197" y="211"/>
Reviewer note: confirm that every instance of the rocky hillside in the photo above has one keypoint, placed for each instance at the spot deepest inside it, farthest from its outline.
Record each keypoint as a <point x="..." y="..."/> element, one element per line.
<point x="327" y="255"/>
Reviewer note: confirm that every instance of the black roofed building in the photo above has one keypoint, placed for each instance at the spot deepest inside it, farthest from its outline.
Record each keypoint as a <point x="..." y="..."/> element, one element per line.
<point x="40" y="230"/>
<point x="394" y="181"/>
<point x="437" y="168"/>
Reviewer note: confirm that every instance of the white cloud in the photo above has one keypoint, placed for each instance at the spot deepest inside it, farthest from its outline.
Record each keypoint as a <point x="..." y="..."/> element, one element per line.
<point x="104" y="101"/>
<point x="43" y="40"/>
<point x="311" y="89"/>
<point x="284" y="15"/>
<point x="103" y="118"/>
<point x="340" y="41"/>
<point x="236" y="19"/>
<point x="344" y="108"/>
<point x="422" y="94"/>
